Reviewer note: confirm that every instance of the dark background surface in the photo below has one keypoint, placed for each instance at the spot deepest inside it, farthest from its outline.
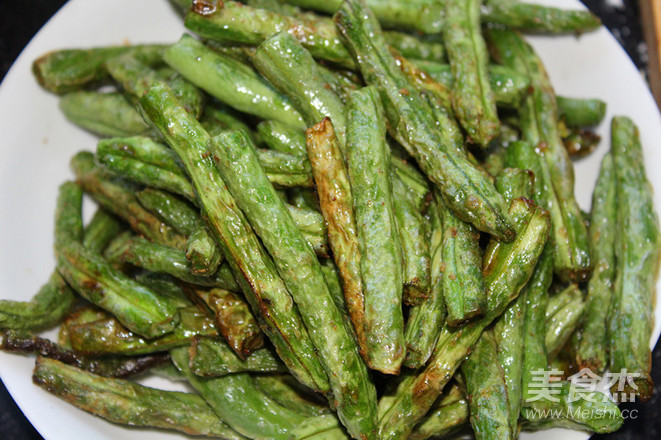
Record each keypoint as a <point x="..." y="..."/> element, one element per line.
<point x="21" y="19"/>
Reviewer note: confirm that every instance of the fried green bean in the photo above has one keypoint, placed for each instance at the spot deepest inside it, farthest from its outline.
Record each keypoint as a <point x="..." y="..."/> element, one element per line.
<point x="170" y="209"/>
<point x="354" y="395"/>
<point x="581" y="113"/>
<point x="426" y="48"/>
<point x="313" y="228"/>
<point x="336" y="202"/>
<point x="45" y="309"/>
<point x="415" y="248"/>
<point x="462" y="282"/>
<point x="232" y="318"/>
<point x="472" y="98"/>
<point x="368" y="166"/>
<point x="424" y="16"/>
<point x="73" y="69"/>
<point x="466" y="190"/>
<point x="106" y="366"/>
<point x="564" y="312"/>
<point x="323" y="427"/>
<point x="425" y="320"/>
<point x="252" y="266"/>
<point x="158" y="258"/>
<point x="202" y="251"/>
<point x="118" y="197"/>
<point x="508" y="85"/>
<point x="285" y="170"/>
<point x="285" y="390"/>
<point x="546" y="157"/>
<point x="593" y="348"/>
<point x="213" y="357"/>
<point x="486" y="390"/>
<point x="279" y="137"/>
<point x="104" y="114"/>
<point x="141" y="310"/>
<point x="128" y="403"/>
<point x="506" y="272"/>
<point x="536" y="297"/>
<point x="449" y="413"/>
<point x="217" y="117"/>
<point x="530" y="17"/>
<point x="238" y="402"/>
<point x="230" y="81"/>
<point x="144" y="161"/>
<point x="293" y="71"/>
<point x="109" y="336"/>
<point x="509" y="329"/>
<point x="135" y="77"/>
<point x="637" y="246"/>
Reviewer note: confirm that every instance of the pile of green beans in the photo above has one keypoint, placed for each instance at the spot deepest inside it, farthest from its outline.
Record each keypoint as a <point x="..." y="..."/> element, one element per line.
<point x="332" y="231"/>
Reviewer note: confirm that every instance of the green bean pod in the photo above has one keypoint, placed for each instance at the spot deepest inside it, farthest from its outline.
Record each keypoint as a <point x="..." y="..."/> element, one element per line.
<point x="104" y="114"/>
<point x="529" y="17"/>
<point x="279" y="137"/>
<point x="486" y="390"/>
<point x="232" y="318"/>
<point x="170" y="209"/>
<point x="472" y="98"/>
<point x="68" y="70"/>
<point x="218" y="117"/>
<point x="128" y="403"/>
<point x="108" y="336"/>
<point x="158" y="258"/>
<point x="581" y="113"/>
<point x="415" y="248"/>
<point x="236" y="400"/>
<point x="462" y="283"/>
<point x="336" y="202"/>
<point x="293" y="71"/>
<point x="135" y="77"/>
<point x="285" y="390"/>
<point x="425" y="319"/>
<point x="202" y="251"/>
<point x="144" y="161"/>
<point x="424" y="16"/>
<point x="230" y="81"/>
<point x="593" y="348"/>
<point x="564" y="312"/>
<point x="368" y="160"/>
<point x="508" y="85"/>
<point x="236" y="23"/>
<point x="509" y="329"/>
<point x="637" y="246"/>
<point x="285" y="170"/>
<point x="213" y="357"/>
<point x="449" y="413"/>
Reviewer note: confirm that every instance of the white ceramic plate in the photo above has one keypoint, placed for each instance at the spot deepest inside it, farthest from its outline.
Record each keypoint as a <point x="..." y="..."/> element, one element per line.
<point x="37" y="143"/>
